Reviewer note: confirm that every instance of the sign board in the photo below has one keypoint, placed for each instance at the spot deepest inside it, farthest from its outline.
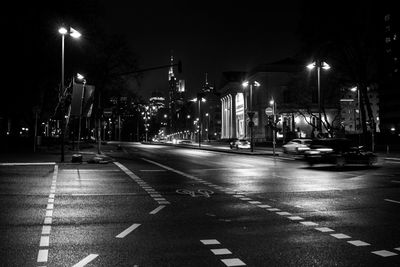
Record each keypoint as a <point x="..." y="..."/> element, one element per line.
<point x="269" y="111"/>
<point x="107" y="112"/>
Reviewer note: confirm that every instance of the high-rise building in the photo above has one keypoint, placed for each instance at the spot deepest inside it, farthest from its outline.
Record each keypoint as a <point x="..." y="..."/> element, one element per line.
<point x="390" y="93"/>
<point x="176" y="93"/>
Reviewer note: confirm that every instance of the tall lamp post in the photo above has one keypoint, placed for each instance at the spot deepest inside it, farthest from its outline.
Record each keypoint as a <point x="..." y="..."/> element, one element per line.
<point x="74" y="34"/>
<point x="250" y="111"/>
<point x="208" y="126"/>
<point x="319" y="64"/>
<point x="82" y="78"/>
<point x="199" y="99"/>
<point x="273" y="104"/>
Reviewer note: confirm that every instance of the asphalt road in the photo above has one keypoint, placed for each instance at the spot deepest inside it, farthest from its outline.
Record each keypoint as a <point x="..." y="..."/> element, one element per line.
<point x="167" y="206"/>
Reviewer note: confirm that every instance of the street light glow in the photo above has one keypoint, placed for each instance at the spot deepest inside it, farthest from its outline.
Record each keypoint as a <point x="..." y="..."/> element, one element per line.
<point x="311" y="66"/>
<point x="353" y="89"/>
<point x="325" y="66"/>
<point x="245" y="84"/>
<point x="257" y="84"/>
<point x="74" y="33"/>
<point x="80" y="76"/>
<point x="62" y="31"/>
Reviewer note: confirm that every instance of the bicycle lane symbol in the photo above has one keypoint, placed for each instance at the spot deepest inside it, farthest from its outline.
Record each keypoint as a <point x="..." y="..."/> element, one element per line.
<point x="199" y="193"/>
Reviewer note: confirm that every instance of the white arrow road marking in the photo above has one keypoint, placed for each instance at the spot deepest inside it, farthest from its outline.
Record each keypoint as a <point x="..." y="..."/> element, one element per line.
<point x="128" y="230"/>
<point x="86" y="260"/>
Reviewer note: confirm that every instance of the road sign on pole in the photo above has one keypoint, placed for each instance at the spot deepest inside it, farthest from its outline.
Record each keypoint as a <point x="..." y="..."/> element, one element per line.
<point x="269" y="111"/>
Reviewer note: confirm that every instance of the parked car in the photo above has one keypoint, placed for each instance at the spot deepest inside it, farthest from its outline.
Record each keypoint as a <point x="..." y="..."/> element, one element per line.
<point x="239" y="143"/>
<point x="338" y="151"/>
<point x="297" y="146"/>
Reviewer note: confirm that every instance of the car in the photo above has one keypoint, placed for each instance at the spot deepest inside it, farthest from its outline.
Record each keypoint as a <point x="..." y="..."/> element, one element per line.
<point x="297" y="146"/>
<point x="239" y="143"/>
<point x="338" y="151"/>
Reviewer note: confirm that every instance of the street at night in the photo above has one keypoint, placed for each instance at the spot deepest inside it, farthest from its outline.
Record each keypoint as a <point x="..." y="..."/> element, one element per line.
<point x="158" y="205"/>
<point x="212" y="133"/>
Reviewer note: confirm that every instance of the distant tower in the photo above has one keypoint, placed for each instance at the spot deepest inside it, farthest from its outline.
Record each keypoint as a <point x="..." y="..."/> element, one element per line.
<point x="171" y="68"/>
<point x="172" y="84"/>
<point x="207" y="87"/>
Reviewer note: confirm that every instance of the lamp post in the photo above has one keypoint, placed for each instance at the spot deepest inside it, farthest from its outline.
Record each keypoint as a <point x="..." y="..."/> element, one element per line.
<point x="208" y="126"/>
<point x="199" y="99"/>
<point x="75" y="34"/>
<point x="250" y="111"/>
<point x="355" y="89"/>
<point x="319" y="64"/>
<point x="273" y="104"/>
<point x="81" y="77"/>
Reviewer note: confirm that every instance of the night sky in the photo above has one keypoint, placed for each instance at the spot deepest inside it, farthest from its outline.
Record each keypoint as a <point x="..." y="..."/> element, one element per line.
<point x="206" y="37"/>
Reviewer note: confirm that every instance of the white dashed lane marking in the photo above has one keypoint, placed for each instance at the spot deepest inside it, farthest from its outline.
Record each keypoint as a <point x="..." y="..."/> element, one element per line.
<point x="210" y="242"/>
<point x="324" y="229"/>
<point x="358" y="243"/>
<point x="309" y="223"/>
<point x="340" y="236"/>
<point x="233" y="262"/>
<point x="128" y="230"/>
<point x="222" y="251"/>
<point x="152" y="192"/>
<point x="44" y="243"/>
<point x="384" y="253"/>
<point x="241" y="196"/>
<point x="157" y="209"/>
<point x="86" y="260"/>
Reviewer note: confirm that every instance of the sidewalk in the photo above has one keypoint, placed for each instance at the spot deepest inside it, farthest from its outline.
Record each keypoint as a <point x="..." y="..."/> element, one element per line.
<point x="53" y="154"/>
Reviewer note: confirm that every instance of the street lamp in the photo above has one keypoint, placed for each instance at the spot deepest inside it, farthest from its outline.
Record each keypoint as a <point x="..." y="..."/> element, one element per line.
<point x="319" y="64"/>
<point x="250" y="111"/>
<point x="75" y="34"/>
<point x="82" y="78"/>
<point x="208" y="126"/>
<point x="273" y="104"/>
<point x="199" y="99"/>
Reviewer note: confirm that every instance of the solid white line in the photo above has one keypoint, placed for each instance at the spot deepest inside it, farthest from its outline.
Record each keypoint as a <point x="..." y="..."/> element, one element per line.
<point x="26" y="163"/>
<point x="128" y="230"/>
<point x="111" y="194"/>
<point x="157" y="209"/>
<point x="390" y="200"/>
<point x="43" y="255"/>
<point x="171" y="169"/>
<point x="86" y="260"/>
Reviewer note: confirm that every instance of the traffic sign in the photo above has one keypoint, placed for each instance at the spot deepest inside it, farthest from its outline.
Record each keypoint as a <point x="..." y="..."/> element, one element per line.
<point x="269" y="111"/>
